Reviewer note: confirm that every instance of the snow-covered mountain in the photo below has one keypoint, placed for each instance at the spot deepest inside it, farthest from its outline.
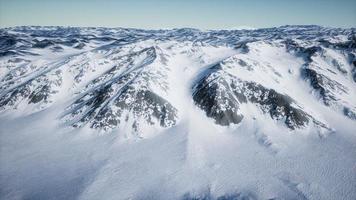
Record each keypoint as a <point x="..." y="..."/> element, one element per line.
<point x="114" y="113"/>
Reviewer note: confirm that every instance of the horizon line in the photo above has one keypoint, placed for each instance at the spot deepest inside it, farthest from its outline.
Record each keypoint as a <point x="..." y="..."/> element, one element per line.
<point x="246" y="28"/>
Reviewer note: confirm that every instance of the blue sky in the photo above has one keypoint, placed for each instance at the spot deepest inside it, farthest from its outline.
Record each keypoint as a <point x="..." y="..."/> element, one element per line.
<point x="204" y="14"/>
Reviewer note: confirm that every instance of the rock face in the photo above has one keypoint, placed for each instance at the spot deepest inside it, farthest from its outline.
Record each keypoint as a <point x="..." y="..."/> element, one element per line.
<point x="220" y="95"/>
<point x="139" y="103"/>
<point x="279" y="106"/>
<point x="112" y="78"/>
<point x="124" y="91"/>
<point x="327" y="65"/>
<point x="38" y="90"/>
<point x="214" y="95"/>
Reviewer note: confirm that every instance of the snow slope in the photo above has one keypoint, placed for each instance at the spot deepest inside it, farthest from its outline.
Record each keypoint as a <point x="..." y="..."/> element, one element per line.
<point x="114" y="113"/>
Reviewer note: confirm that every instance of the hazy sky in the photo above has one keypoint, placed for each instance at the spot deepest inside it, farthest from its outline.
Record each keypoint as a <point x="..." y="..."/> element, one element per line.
<point x="204" y="14"/>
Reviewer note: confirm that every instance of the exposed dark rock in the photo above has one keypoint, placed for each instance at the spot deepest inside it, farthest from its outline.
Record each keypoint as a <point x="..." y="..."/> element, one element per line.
<point x="220" y="94"/>
<point x="79" y="46"/>
<point x="208" y="196"/>
<point x="43" y="43"/>
<point x="318" y="76"/>
<point x="7" y="42"/>
<point x="215" y="97"/>
<point x="40" y="94"/>
<point x="324" y="85"/>
<point x="125" y="98"/>
<point x="11" y="98"/>
<point x="34" y="91"/>
<point x="106" y="107"/>
<point x="279" y="106"/>
<point x="349" y="113"/>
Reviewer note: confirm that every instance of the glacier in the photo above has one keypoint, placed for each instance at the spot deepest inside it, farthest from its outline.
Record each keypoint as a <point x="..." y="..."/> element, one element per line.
<point x="122" y="113"/>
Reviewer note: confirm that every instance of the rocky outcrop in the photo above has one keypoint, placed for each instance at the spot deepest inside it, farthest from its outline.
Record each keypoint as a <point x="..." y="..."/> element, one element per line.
<point x="220" y="95"/>
<point x="124" y="94"/>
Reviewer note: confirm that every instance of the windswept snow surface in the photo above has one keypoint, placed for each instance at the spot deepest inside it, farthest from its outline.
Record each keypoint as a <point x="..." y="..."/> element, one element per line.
<point x="113" y="113"/>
